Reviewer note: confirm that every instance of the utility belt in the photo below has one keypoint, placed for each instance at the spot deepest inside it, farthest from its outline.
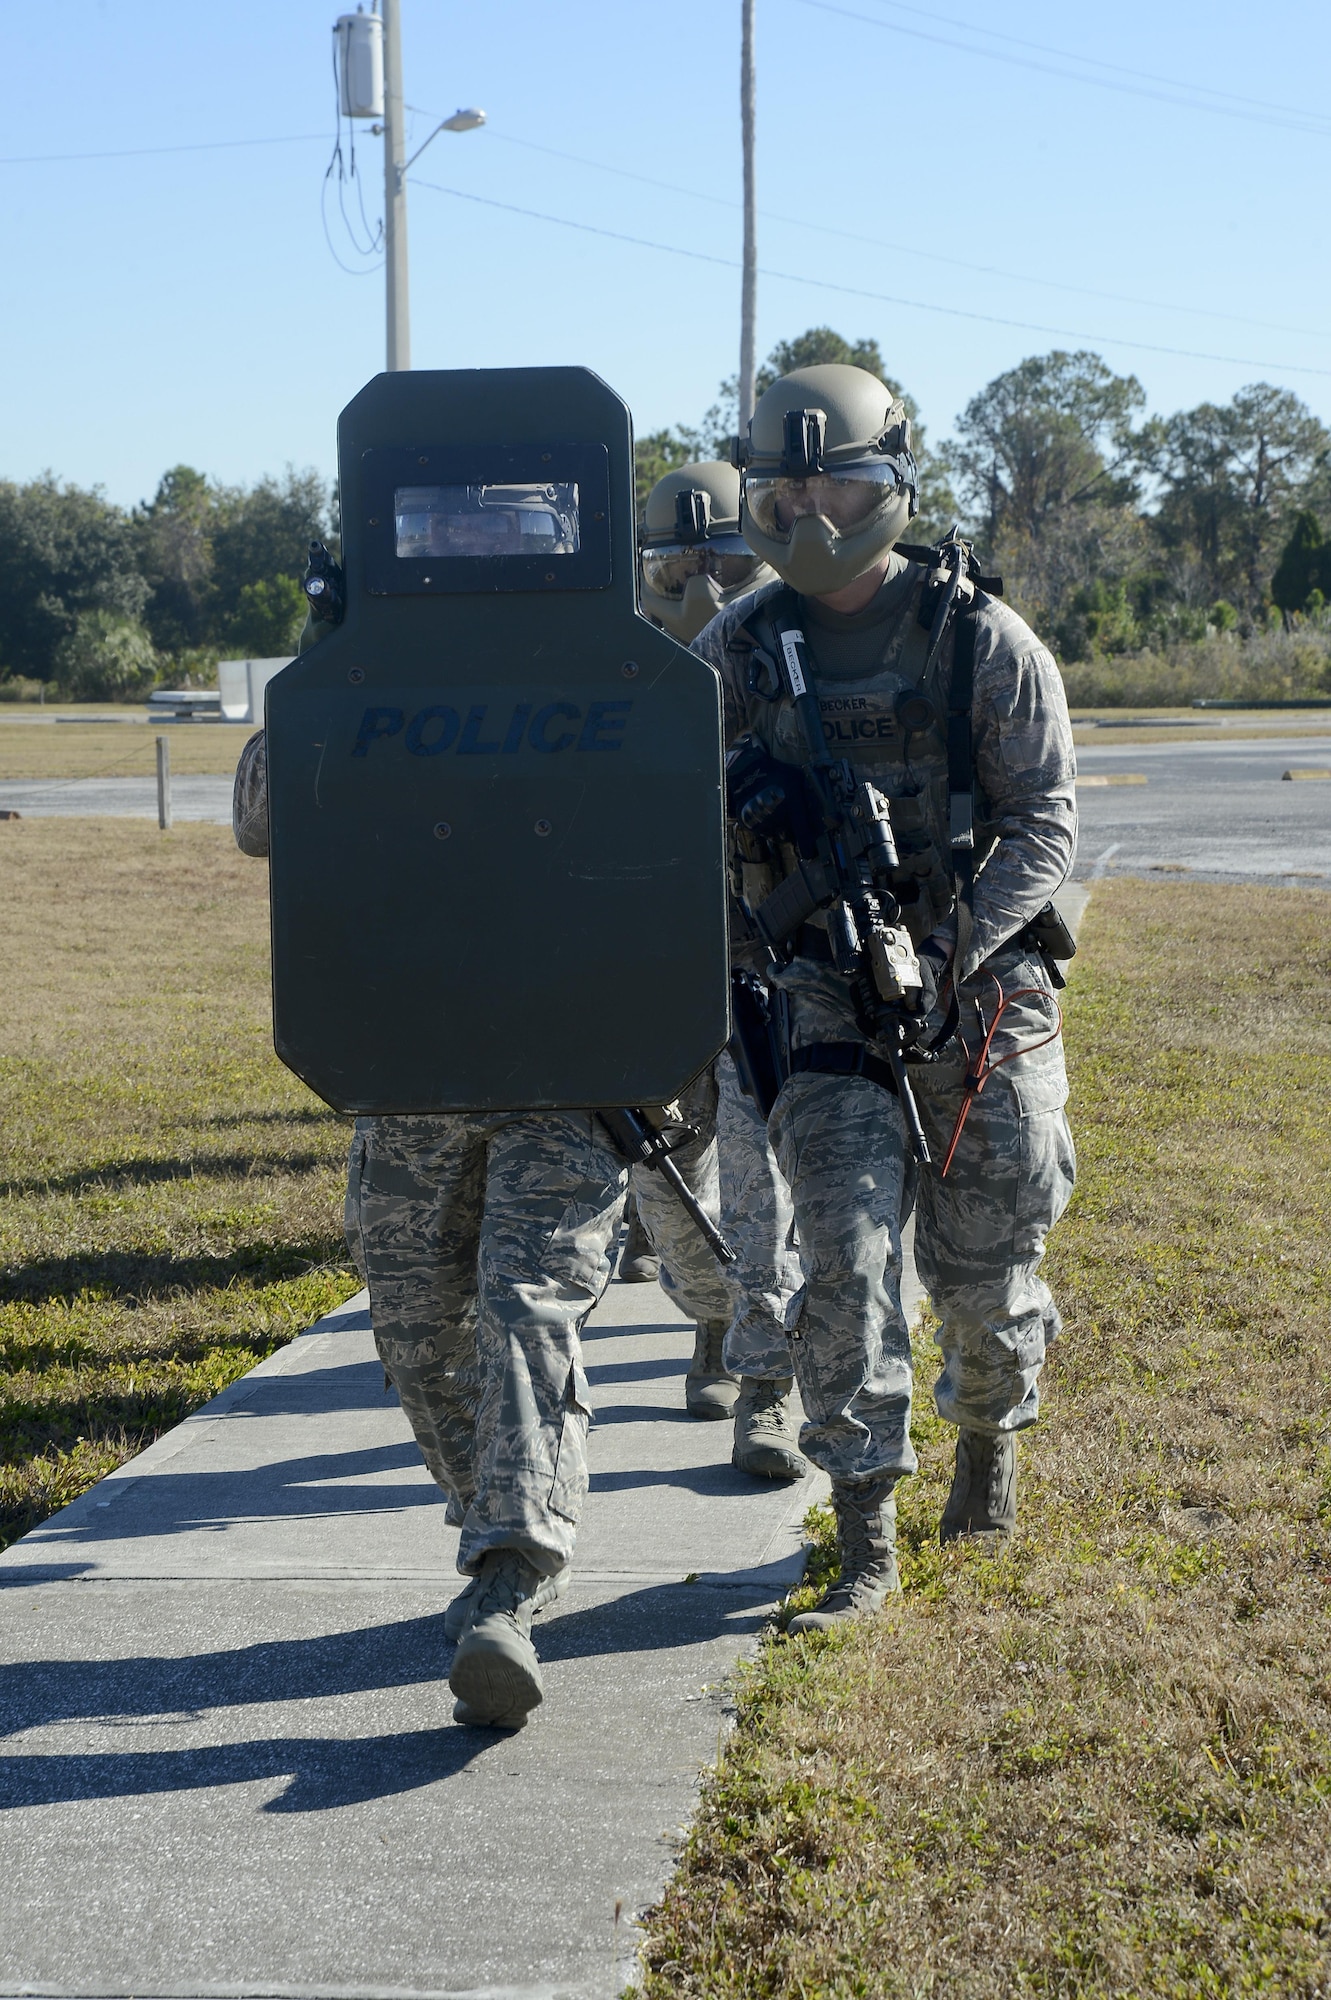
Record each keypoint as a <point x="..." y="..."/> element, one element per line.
<point x="842" y="1059"/>
<point x="763" y="1057"/>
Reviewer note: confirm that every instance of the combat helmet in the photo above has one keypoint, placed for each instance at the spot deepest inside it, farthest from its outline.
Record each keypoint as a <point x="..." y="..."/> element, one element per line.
<point x="692" y="557"/>
<point x="829" y="478"/>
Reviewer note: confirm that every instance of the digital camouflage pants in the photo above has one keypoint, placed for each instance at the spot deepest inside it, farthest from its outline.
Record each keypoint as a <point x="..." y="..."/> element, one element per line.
<point x="487" y="1240"/>
<point x="979" y="1239"/>
<point x="731" y="1170"/>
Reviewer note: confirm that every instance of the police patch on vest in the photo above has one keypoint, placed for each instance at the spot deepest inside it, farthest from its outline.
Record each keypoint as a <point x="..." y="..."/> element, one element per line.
<point x="850" y="719"/>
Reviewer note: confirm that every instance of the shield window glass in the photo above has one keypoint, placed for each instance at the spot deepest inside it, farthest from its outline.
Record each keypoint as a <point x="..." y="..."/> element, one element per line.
<point x="526" y="518"/>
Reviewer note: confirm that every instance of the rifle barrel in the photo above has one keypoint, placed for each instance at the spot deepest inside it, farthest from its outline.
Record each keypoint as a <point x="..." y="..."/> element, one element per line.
<point x="636" y="1139"/>
<point x="701" y="1221"/>
<point x="910" y="1109"/>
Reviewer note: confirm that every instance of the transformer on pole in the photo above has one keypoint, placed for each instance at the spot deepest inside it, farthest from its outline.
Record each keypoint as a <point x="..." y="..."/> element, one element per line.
<point x="358" y="47"/>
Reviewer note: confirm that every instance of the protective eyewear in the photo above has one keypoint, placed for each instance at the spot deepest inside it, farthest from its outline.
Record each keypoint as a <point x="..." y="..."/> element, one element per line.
<point x="668" y="567"/>
<point x="844" y="499"/>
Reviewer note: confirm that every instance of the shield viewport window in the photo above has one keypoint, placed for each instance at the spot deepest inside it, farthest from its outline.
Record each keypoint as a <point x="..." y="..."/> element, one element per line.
<point x="523" y="518"/>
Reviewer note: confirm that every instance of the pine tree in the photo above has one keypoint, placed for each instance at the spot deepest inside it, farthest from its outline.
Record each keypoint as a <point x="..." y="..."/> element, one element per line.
<point x="1299" y="572"/>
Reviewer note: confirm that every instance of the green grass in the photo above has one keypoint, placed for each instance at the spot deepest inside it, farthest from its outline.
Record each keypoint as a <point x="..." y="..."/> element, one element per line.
<point x="170" y="1195"/>
<point x="58" y="752"/>
<point x="1101" y="1764"/>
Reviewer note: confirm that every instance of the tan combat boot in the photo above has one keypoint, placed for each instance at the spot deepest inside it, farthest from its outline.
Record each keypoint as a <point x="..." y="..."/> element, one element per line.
<point x="458" y="1615"/>
<point x="496" y="1675"/>
<point x="709" y="1390"/>
<point x="766" y="1437"/>
<point x="639" y="1264"/>
<point x="982" y="1506"/>
<point x="866" y="1531"/>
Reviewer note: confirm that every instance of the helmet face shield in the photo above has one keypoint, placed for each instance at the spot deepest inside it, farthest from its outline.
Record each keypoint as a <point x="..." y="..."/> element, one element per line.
<point x="692" y="559"/>
<point x="667" y="567"/>
<point x="829" y="478"/>
<point x="844" y="498"/>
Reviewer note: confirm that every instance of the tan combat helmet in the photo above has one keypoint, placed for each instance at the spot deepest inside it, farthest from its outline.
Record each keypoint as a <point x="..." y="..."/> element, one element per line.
<point x="829" y="477"/>
<point x="692" y="557"/>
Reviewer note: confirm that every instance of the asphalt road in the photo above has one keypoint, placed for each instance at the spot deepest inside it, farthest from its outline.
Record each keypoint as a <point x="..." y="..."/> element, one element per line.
<point x="1216" y="810"/>
<point x="123" y="798"/>
<point x="1219" y="811"/>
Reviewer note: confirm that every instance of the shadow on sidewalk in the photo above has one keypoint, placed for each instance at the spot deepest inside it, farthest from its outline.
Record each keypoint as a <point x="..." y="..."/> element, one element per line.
<point x="407" y="1652"/>
<point x="325" y="1771"/>
<point x="404" y="1653"/>
<point x="663" y="1615"/>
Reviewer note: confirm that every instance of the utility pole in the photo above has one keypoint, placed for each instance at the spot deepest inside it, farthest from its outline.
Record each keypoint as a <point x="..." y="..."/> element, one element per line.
<point x="395" y="193"/>
<point x="368" y="52"/>
<point x="748" y="310"/>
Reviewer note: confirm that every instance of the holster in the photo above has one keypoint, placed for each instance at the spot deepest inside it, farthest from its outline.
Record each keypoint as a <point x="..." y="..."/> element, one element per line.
<point x="759" y="1044"/>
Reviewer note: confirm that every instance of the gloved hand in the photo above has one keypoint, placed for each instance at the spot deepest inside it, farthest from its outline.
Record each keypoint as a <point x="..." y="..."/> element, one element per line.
<point x="935" y="959"/>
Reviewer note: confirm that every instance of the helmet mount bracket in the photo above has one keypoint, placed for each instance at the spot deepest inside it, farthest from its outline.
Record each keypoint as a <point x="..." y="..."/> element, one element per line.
<point x="693" y="515"/>
<point x="802" y="445"/>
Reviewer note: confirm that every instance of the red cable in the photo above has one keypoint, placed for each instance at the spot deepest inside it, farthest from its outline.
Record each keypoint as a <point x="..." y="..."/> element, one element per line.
<point x="979" y="1074"/>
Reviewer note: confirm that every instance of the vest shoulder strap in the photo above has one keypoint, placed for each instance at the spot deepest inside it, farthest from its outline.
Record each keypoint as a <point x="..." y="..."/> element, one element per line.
<point x="961" y="773"/>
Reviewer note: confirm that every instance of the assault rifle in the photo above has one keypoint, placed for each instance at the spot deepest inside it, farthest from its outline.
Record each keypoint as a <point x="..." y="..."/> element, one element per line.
<point x="645" y="1143"/>
<point x="841" y="827"/>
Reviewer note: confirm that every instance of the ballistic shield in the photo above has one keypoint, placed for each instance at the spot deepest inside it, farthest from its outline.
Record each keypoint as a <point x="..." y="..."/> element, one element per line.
<point x="495" y="794"/>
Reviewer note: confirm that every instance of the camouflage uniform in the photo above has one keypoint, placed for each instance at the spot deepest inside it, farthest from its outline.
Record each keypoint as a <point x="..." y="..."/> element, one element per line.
<point x="839" y="1139"/>
<point x="690" y="1274"/>
<point x="351" y="1223"/>
<point x="732" y="1173"/>
<point x="486" y="1241"/>
<point x="759" y="1223"/>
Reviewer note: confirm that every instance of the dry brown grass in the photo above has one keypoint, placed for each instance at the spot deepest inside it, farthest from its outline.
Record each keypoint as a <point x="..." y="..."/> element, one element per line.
<point x="169" y="1194"/>
<point x="117" y="749"/>
<point x="1316" y="734"/>
<point x="1102" y="1764"/>
<point x="1186" y="725"/>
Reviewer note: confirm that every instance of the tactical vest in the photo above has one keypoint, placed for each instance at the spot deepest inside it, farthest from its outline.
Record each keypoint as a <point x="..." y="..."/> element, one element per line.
<point x="893" y="726"/>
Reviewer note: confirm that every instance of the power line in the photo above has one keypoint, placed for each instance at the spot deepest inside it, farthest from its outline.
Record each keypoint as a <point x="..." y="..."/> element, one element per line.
<point x="790" y="221"/>
<point x="1119" y="69"/>
<point x="906" y="249"/>
<point x="149" y="152"/>
<point x="881" y="298"/>
<point x="1300" y="122"/>
<point x="719" y="201"/>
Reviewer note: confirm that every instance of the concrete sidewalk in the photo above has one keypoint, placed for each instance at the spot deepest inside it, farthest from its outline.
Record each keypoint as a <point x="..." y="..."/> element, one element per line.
<point x="230" y="1766"/>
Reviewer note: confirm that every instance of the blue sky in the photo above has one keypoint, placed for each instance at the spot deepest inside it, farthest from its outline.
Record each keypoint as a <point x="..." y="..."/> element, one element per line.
<point x="184" y="305"/>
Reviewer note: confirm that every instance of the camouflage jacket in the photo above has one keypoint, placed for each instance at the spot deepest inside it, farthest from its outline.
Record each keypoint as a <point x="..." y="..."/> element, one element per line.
<point x="1024" y="764"/>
